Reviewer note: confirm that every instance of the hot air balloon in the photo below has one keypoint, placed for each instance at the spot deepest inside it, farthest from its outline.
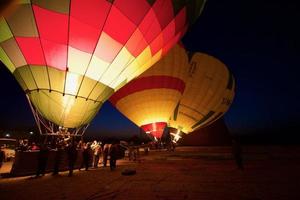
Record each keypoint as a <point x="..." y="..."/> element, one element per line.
<point x="150" y="99"/>
<point x="69" y="56"/>
<point x="209" y="92"/>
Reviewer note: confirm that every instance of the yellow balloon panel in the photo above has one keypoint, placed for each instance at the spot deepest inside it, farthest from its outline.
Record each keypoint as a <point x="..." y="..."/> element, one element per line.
<point x="174" y="64"/>
<point x="62" y="98"/>
<point x="149" y="106"/>
<point x="67" y="111"/>
<point x="209" y="93"/>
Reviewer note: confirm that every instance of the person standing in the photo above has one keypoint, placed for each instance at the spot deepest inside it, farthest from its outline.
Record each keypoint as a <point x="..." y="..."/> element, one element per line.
<point x="34" y="147"/>
<point x="2" y="156"/>
<point x="86" y="156"/>
<point x="97" y="155"/>
<point x="105" y="154"/>
<point x="72" y="156"/>
<point x="130" y="152"/>
<point x="237" y="153"/>
<point x="113" y="152"/>
<point x="42" y="160"/>
<point x="57" y="158"/>
<point x="81" y="148"/>
<point x="146" y="150"/>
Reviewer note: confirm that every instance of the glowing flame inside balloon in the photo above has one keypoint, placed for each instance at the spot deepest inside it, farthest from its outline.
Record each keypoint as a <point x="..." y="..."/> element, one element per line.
<point x="71" y="88"/>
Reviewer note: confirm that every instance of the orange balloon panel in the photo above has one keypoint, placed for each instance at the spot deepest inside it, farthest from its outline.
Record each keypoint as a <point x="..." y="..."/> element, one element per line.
<point x="208" y="95"/>
<point x="152" y="97"/>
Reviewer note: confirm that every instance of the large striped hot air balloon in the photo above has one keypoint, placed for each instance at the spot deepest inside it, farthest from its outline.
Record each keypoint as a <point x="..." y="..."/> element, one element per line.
<point x="150" y="99"/>
<point x="69" y="56"/>
<point x="208" y="94"/>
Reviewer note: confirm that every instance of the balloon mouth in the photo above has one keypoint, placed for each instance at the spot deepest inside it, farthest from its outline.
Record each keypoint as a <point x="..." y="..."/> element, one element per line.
<point x="64" y="110"/>
<point x="156" y="129"/>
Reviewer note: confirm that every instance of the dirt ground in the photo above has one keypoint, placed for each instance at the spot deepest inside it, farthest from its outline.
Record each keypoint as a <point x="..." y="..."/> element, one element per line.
<point x="189" y="173"/>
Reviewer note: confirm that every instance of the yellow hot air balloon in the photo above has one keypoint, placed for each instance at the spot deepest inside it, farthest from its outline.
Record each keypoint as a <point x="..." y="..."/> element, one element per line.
<point x="150" y="99"/>
<point x="208" y="94"/>
<point x="69" y="56"/>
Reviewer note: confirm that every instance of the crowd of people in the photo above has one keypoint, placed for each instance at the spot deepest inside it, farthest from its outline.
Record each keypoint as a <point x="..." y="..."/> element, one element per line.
<point x="25" y="145"/>
<point x="66" y="150"/>
<point x="92" y="153"/>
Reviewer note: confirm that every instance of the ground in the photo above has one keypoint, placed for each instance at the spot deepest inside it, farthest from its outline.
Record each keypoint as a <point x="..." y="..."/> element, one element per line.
<point x="189" y="173"/>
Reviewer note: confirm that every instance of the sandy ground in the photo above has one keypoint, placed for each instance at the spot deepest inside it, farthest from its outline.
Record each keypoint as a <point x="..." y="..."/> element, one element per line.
<point x="188" y="173"/>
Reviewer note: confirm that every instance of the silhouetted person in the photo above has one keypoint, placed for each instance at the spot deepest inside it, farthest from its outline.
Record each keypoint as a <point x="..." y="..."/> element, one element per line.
<point x="72" y="156"/>
<point x="81" y="147"/>
<point x="2" y="156"/>
<point x="105" y="154"/>
<point x="34" y="147"/>
<point x="237" y="153"/>
<point x="42" y="160"/>
<point x="57" y="159"/>
<point x="167" y="139"/>
<point x="113" y="152"/>
<point x="137" y="156"/>
<point x="85" y="157"/>
<point x="146" y="150"/>
<point x="131" y="151"/>
<point x="173" y="146"/>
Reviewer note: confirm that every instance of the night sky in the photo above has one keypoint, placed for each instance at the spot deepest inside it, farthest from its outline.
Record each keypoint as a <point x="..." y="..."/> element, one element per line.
<point x="257" y="40"/>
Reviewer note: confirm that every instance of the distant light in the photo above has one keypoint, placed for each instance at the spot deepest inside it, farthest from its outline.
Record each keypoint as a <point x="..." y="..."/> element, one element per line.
<point x="7" y="135"/>
<point x="176" y="136"/>
<point x="31" y="133"/>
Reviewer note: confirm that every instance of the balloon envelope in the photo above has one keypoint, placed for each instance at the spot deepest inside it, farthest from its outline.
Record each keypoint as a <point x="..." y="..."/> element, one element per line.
<point x="69" y="56"/>
<point x="150" y="99"/>
<point x="209" y="92"/>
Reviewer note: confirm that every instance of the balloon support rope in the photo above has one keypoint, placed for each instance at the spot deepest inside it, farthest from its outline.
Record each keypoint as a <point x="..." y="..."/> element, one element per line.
<point x="50" y="127"/>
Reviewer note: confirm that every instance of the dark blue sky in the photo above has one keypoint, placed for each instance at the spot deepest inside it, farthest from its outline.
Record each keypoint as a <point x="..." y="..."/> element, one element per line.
<point x="257" y="40"/>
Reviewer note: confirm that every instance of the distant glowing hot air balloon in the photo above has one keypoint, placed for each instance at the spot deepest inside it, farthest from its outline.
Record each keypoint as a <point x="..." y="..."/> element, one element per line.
<point x="208" y="94"/>
<point x="69" y="56"/>
<point x="151" y="98"/>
